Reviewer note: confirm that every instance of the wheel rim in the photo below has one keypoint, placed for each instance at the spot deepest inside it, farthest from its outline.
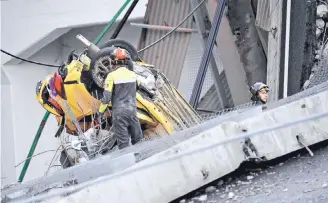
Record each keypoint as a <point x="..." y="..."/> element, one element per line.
<point x="101" y="68"/>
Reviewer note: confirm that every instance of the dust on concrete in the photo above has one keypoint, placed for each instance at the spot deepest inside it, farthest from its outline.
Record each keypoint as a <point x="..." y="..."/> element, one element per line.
<point x="300" y="179"/>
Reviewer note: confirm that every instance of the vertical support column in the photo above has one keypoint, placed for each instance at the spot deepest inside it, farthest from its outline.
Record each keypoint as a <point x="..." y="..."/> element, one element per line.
<point x="287" y="48"/>
<point x="233" y="68"/>
<point x="302" y="44"/>
<point x="199" y="16"/>
<point x="274" y="49"/>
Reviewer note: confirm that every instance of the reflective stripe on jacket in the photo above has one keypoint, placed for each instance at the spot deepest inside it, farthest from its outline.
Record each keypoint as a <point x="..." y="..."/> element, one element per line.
<point x="120" y="88"/>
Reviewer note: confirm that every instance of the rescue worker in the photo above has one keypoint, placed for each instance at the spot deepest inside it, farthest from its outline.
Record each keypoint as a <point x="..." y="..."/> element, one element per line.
<point x="120" y="88"/>
<point x="259" y="93"/>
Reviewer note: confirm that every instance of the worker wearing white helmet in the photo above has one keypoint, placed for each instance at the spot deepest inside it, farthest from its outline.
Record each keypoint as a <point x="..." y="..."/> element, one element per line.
<point x="259" y="93"/>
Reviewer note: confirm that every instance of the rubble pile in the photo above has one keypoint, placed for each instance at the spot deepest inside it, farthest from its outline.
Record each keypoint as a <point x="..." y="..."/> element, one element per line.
<point x="322" y="11"/>
<point x="321" y="52"/>
<point x="300" y="178"/>
<point x="321" y="27"/>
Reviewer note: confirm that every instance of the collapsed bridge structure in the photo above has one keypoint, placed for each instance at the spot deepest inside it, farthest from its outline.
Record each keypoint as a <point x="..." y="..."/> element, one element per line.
<point x="216" y="146"/>
<point x="191" y="158"/>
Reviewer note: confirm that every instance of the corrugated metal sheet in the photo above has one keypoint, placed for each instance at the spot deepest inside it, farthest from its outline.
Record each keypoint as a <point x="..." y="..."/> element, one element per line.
<point x="191" y="66"/>
<point x="263" y="15"/>
<point x="168" y="55"/>
<point x="210" y="101"/>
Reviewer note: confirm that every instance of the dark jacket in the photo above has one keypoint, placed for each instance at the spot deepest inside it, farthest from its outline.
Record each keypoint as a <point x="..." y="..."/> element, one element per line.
<point x="120" y="89"/>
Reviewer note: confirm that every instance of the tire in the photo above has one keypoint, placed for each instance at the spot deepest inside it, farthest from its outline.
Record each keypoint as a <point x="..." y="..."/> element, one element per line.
<point x="105" y="50"/>
<point x="96" y="77"/>
<point x="124" y="45"/>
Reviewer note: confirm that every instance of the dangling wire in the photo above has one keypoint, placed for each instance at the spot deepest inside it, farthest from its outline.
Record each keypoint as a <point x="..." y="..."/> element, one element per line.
<point x="29" y="61"/>
<point x="174" y="29"/>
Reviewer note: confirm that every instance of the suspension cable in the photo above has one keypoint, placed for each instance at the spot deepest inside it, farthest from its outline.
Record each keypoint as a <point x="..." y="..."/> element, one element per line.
<point x="175" y="28"/>
<point x="29" y="61"/>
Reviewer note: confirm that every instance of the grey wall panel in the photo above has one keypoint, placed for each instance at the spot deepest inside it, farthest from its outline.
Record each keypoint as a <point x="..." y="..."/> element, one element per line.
<point x="168" y="55"/>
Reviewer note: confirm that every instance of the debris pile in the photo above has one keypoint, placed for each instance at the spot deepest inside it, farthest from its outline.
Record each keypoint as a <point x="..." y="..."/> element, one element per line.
<point x="299" y="177"/>
<point x="321" y="25"/>
<point x="320" y="70"/>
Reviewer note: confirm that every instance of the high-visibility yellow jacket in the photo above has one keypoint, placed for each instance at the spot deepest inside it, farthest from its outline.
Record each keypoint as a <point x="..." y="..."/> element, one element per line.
<point x="120" y="89"/>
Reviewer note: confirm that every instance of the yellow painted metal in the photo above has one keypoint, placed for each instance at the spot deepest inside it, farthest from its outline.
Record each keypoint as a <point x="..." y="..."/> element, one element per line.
<point x="82" y="103"/>
<point x="156" y="112"/>
<point x="39" y="96"/>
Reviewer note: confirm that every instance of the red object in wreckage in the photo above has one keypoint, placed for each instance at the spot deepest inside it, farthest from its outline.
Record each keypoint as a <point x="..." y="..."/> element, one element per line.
<point x="59" y="86"/>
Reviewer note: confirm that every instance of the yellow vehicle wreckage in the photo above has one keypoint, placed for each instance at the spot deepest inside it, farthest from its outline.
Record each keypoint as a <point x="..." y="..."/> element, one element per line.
<point x="68" y="95"/>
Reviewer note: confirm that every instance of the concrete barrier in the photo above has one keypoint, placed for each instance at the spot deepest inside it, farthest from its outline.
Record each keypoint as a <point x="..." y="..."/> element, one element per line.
<point x="76" y="174"/>
<point x="170" y="180"/>
<point x="118" y="160"/>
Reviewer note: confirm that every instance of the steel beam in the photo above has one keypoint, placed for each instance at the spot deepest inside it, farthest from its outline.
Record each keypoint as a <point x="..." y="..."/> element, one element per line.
<point x="287" y="37"/>
<point x="274" y="65"/>
<point x="208" y="39"/>
<point x="162" y="27"/>
<point x="80" y="173"/>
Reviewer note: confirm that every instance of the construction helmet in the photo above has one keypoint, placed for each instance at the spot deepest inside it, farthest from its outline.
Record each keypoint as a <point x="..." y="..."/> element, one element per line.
<point x="256" y="88"/>
<point x="119" y="56"/>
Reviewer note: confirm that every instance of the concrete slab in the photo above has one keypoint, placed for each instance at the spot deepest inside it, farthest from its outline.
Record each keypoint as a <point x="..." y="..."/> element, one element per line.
<point x="73" y="175"/>
<point x="167" y="181"/>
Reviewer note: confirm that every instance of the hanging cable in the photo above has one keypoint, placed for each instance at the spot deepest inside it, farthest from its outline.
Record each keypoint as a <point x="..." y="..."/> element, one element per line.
<point x="174" y="29"/>
<point x="141" y="50"/>
<point x="29" y="61"/>
<point x="52" y="150"/>
<point x="52" y="160"/>
<point x="123" y="21"/>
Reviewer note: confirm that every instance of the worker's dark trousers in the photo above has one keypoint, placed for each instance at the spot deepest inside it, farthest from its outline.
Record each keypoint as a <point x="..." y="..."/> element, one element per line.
<point x="125" y="123"/>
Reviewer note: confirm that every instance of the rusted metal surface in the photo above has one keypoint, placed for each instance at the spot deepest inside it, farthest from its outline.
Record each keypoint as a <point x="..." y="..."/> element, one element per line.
<point x="263" y="14"/>
<point x="161" y="27"/>
<point x="169" y="54"/>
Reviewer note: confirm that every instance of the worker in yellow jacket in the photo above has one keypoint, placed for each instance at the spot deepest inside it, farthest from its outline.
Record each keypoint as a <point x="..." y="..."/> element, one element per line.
<point x="120" y="88"/>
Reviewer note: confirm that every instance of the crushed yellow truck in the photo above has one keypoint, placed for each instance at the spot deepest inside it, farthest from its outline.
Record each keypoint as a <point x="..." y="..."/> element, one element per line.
<point x="73" y="94"/>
